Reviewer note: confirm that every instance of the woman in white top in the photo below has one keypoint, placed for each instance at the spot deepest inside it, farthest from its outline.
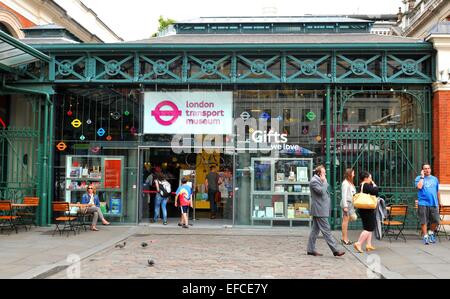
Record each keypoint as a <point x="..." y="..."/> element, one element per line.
<point x="347" y="191"/>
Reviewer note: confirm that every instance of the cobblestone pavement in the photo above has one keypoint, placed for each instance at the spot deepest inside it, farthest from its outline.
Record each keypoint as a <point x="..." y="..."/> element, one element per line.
<point x="218" y="253"/>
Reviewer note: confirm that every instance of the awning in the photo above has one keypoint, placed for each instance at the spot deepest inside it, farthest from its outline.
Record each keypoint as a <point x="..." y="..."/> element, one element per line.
<point x="14" y="53"/>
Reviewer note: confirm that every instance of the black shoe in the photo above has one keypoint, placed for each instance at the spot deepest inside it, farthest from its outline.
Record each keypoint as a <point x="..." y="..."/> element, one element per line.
<point x="338" y="253"/>
<point x="179" y="224"/>
<point x="165" y="223"/>
<point x="314" y="253"/>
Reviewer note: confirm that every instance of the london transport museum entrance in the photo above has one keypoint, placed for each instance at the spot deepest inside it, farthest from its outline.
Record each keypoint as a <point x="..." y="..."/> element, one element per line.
<point x="264" y="101"/>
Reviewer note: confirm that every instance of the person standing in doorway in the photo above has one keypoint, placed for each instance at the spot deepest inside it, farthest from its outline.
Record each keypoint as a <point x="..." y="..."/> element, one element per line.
<point x="320" y="211"/>
<point x="212" y="187"/>
<point x="428" y="204"/>
<point x="163" y="190"/>
<point x="347" y="191"/>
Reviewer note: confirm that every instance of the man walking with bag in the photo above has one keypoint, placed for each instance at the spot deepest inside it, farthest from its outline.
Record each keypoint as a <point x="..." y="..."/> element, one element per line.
<point x="320" y="211"/>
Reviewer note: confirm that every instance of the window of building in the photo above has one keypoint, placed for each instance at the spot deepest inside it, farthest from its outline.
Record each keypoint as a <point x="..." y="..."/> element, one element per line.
<point x="361" y="115"/>
<point x="384" y="112"/>
<point x="345" y="114"/>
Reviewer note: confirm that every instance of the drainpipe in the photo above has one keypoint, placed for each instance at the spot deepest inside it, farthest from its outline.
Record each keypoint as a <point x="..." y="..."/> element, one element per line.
<point x="44" y="203"/>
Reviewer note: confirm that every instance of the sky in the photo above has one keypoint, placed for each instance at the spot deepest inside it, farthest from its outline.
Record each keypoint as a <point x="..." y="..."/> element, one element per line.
<point x="138" y="19"/>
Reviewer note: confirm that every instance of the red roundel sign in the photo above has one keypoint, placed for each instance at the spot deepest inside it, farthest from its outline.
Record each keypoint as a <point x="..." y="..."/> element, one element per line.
<point x="170" y="115"/>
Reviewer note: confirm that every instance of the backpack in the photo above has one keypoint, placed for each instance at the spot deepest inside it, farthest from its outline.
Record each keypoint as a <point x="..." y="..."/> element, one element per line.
<point x="183" y="200"/>
<point x="164" y="188"/>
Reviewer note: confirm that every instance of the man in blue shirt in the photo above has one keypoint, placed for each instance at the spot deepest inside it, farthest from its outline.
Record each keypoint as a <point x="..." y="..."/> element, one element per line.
<point x="428" y="203"/>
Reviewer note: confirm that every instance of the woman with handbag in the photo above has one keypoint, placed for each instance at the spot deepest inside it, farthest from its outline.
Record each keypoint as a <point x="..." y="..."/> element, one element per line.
<point x="348" y="211"/>
<point x="367" y="214"/>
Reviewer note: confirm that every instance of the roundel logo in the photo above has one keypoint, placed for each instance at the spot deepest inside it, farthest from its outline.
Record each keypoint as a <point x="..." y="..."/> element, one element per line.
<point x="170" y="115"/>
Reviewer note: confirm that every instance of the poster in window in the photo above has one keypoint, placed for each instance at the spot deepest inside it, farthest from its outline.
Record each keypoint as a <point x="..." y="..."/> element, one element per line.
<point x="116" y="206"/>
<point x="302" y="174"/>
<point x="113" y="172"/>
<point x="279" y="209"/>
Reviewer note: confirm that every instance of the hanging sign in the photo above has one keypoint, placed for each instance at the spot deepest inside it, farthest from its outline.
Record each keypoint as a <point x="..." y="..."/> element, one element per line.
<point x="101" y="132"/>
<point x="311" y="115"/>
<point x="76" y="123"/>
<point x="265" y="115"/>
<point x="95" y="149"/>
<point x="115" y="115"/>
<point x="245" y="115"/>
<point x="61" y="146"/>
<point x="188" y="113"/>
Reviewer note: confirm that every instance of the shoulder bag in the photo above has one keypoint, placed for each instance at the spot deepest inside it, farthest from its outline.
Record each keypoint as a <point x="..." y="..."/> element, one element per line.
<point x="364" y="201"/>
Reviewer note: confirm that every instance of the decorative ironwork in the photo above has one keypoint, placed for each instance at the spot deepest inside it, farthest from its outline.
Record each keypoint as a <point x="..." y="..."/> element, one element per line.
<point x="209" y="67"/>
<point x="112" y="67"/>
<point x="308" y="67"/>
<point x="118" y="69"/>
<point x="160" y="67"/>
<point x="402" y="68"/>
<point x="392" y="155"/>
<point x="234" y="66"/>
<point x="409" y="67"/>
<point x="258" y="67"/>
<point x="69" y="69"/>
<point x="65" y="68"/>
<point x="359" y="67"/>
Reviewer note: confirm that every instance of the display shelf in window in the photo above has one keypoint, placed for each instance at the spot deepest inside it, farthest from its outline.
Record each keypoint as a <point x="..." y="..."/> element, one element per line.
<point x="285" y="194"/>
<point x="105" y="173"/>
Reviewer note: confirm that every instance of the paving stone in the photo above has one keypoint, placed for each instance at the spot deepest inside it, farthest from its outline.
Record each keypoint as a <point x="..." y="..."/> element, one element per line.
<point x="213" y="255"/>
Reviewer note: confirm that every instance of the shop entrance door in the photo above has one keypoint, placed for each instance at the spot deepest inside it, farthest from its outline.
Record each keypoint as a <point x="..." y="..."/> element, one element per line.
<point x="158" y="160"/>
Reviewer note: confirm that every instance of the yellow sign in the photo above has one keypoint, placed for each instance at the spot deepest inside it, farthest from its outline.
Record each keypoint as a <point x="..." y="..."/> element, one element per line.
<point x="76" y="123"/>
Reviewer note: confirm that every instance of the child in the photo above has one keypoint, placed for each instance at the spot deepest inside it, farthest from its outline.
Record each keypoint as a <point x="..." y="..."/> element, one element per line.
<point x="183" y="198"/>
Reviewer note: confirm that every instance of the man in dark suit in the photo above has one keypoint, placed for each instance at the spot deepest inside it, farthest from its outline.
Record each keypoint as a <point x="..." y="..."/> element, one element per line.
<point x="320" y="211"/>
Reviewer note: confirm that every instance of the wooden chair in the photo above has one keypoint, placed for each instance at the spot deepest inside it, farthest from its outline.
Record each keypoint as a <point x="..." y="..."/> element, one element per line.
<point x="28" y="215"/>
<point x="6" y="215"/>
<point x="396" y="219"/>
<point x="61" y="214"/>
<point x="443" y="211"/>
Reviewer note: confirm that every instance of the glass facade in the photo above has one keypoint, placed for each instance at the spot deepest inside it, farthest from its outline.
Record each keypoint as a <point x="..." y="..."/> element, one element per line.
<point x="98" y="128"/>
<point x="279" y="136"/>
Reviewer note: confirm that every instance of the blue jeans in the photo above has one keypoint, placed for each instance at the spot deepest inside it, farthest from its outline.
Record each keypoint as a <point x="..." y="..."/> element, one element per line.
<point x="212" y="201"/>
<point x="160" y="201"/>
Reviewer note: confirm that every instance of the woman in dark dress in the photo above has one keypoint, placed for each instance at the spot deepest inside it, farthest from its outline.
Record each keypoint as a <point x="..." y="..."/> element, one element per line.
<point x="368" y="216"/>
